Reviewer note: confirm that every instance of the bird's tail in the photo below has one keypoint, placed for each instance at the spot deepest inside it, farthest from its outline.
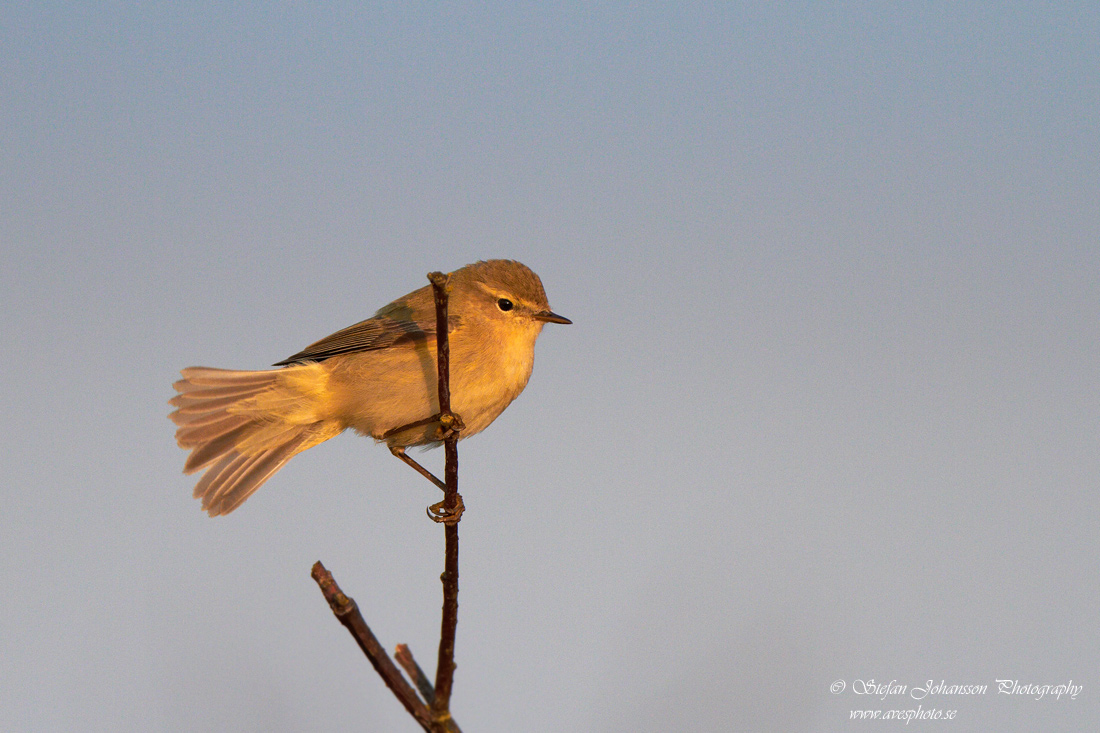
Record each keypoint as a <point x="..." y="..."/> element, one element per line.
<point x="244" y="426"/>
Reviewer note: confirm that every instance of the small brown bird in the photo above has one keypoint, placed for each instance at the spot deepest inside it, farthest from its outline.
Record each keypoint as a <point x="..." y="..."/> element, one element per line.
<point x="374" y="377"/>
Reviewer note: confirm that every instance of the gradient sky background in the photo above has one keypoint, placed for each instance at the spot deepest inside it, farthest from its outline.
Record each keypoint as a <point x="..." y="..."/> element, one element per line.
<point x="830" y="409"/>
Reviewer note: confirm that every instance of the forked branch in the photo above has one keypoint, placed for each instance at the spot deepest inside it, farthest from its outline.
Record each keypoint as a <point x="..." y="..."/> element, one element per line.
<point x="432" y="708"/>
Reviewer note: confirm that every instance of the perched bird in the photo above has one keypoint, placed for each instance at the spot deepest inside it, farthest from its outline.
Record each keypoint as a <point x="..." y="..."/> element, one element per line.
<point x="377" y="377"/>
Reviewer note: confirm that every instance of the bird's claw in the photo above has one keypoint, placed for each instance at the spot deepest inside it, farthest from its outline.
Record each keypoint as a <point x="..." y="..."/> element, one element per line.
<point x="451" y="424"/>
<point x="439" y="513"/>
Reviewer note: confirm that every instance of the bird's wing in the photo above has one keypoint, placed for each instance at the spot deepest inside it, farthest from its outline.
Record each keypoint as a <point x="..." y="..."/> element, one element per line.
<point x="380" y="332"/>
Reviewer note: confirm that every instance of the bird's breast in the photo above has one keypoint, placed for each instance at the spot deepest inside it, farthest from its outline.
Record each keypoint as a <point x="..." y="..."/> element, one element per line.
<point x="486" y="376"/>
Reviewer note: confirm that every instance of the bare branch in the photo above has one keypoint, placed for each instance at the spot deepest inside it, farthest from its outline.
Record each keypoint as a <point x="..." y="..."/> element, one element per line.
<point x="445" y="668"/>
<point x="348" y="614"/>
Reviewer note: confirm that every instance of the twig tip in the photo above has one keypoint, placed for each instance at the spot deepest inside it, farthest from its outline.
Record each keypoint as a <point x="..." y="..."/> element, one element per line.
<point x="337" y="601"/>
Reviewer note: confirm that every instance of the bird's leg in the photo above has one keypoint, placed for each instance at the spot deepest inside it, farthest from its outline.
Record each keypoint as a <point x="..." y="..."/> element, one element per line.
<point x="436" y="512"/>
<point x="400" y="453"/>
<point x="449" y="423"/>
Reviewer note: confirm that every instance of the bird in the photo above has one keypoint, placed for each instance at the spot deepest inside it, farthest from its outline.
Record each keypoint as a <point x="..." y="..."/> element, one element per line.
<point x="377" y="377"/>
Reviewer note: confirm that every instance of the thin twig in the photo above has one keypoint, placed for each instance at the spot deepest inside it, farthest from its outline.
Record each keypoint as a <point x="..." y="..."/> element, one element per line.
<point x="404" y="657"/>
<point x="445" y="668"/>
<point x="348" y="614"/>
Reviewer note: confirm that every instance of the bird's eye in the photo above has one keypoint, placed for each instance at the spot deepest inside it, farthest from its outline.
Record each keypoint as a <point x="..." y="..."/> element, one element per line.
<point x="505" y="305"/>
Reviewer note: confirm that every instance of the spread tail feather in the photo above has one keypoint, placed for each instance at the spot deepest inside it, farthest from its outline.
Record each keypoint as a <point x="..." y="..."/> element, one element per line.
<point x="244" y="426"/>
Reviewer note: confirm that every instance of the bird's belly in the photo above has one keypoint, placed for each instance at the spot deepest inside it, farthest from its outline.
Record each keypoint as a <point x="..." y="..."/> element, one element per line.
<point x="377" y="392"/>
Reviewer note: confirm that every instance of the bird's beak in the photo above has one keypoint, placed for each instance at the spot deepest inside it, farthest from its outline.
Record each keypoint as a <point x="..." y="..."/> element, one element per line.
<point x="550" y="317"/>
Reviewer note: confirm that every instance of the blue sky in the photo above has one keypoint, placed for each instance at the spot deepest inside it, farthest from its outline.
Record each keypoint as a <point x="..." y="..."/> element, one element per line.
<point x="828" y="410"/>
